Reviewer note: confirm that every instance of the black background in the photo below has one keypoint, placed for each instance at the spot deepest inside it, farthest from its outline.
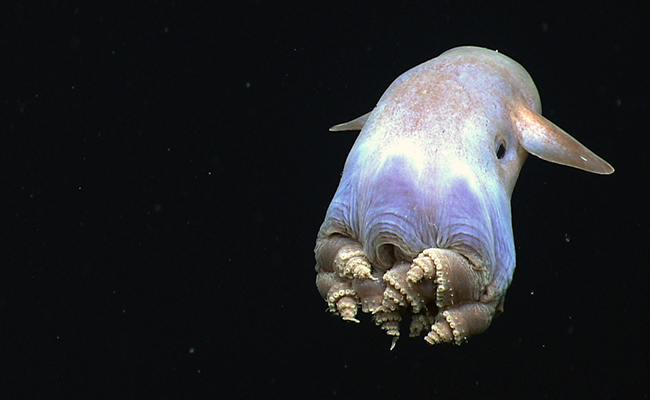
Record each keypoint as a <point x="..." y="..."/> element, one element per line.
<point x="166" y="166"/>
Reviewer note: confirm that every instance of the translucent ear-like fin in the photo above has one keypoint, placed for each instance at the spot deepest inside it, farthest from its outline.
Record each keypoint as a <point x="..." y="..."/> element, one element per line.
<point x="354" y="125"/>
<point x="542" y="138"/>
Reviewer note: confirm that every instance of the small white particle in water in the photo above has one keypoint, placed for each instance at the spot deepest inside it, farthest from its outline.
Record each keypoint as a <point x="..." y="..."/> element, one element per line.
<point x="532" y="293"/>
<point x="192" y="350"/>
<point x="583" y="159"/>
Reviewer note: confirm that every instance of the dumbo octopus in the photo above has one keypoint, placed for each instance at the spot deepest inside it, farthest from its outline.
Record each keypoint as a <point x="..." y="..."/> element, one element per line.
<point x="421" y="223"/>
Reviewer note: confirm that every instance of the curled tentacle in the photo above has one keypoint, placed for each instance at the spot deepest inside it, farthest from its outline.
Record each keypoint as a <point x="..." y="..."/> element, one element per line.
<point x="341" y="298"/>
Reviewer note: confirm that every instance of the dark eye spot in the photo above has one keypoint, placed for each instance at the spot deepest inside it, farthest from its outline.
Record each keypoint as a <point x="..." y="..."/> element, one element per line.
<point x="501" y="151"/>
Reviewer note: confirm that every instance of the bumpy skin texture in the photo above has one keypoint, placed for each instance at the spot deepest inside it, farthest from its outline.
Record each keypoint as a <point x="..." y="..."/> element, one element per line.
<point x="420" y="222"/>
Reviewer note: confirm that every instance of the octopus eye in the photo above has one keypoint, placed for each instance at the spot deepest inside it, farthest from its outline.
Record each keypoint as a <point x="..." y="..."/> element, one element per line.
<point x="501" y="151"/>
